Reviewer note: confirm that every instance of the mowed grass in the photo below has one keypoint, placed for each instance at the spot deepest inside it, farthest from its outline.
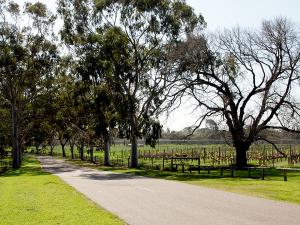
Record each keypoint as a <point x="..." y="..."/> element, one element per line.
<point x="29" y="196"/>
<point x="270" y="188"/>
<point x="273" y="187"/>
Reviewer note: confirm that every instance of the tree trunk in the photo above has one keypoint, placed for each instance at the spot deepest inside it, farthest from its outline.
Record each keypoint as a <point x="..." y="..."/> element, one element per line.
<point x="91" y="153"/>
<point x="134" y="153"/>
<point x="81" y="149"/>
<point x="51" y="149"/>
<point x="72" y="150"/>
<point x="16" y="153"/>
<point x="106" y="151"/>
<point x="37" y="149"/>
<point x="241" y="156"/>
<point x="63" y="150"/>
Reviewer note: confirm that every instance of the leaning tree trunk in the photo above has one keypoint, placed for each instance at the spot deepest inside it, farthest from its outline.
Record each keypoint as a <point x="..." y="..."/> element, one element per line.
<point x="241" y="155"/>
<point x="106" y="151"/>
<point x="134" y="152"/>
<point x="16" y="153"/>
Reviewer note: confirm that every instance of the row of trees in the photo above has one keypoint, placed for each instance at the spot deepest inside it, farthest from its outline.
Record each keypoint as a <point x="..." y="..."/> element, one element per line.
<point x="117" y="65"/>
<point x="108" y="74"/>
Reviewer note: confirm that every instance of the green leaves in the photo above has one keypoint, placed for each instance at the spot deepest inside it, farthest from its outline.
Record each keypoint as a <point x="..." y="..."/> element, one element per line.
<point x="37" y="9"/>
<point x="122" y="48"/>
<point x="28" y="55"/>
<point x="13" y="8"/>
<point x="151" y="131"/>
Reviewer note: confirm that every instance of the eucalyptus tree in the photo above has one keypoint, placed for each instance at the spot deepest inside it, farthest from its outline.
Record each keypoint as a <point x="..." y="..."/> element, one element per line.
<point x="131" y="40"/>
<point x="65" y="113"/>
<point x="5" y="125"/>
<point x="106" y="118"/>
<point x="74" y="120"/>
<point x="26" y="57"/>
<point x="248" y="78"/>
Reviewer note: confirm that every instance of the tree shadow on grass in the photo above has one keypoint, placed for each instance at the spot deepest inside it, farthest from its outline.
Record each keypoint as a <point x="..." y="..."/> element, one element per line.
<point x="241" y="175"/>
<point x="30" y="167"/>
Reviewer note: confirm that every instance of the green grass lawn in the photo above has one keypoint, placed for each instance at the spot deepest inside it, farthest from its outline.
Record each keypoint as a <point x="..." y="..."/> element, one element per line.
<point x="273" y="187"/>
<point x="30" y="196"/>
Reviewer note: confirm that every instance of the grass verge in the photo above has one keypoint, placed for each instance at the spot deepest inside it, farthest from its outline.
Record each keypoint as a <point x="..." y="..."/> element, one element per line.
<point x="273" y="187"/>
<point x="30" y="196"/>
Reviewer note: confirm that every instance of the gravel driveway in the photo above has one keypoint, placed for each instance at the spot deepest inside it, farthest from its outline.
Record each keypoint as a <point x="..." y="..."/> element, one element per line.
<point x="147" y="201"/>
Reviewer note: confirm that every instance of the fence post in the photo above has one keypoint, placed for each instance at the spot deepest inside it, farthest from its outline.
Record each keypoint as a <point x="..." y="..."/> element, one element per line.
<point x="221" y="171"/>
<point x="219" y="155"/>
<point x="290" y="159"/>
<point x="264" y="155"/>
<point x="199" y="165"/>
<point x="151" y="162"/>
<point x="263" y="174"/>
<point x="164" y="160"/>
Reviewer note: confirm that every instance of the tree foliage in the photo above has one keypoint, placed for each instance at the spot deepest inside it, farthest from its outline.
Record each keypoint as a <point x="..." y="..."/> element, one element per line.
<point x="127" y="43"/>
<point x="26" y="59"/>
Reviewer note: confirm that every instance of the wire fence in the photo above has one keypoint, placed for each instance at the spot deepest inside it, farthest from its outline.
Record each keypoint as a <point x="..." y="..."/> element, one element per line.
<point x="208" y="155"/>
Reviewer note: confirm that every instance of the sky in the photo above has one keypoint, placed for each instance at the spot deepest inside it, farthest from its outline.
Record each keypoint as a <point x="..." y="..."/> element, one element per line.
<point x="220" y="14"/>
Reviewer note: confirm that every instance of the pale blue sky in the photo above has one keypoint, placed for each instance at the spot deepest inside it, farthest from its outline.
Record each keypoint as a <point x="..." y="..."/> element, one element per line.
<point x="228" y="13"/>
<point x="246" y="13"/>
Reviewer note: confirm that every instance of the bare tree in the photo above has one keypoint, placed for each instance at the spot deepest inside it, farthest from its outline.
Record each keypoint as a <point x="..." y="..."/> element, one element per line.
<point x="247" y="78"/>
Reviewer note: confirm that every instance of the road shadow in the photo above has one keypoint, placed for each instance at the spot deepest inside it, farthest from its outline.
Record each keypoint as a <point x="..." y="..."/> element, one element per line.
<point x="53" y="166"/>
<point x="57" y="166"/>
<point x="109" y="176"/>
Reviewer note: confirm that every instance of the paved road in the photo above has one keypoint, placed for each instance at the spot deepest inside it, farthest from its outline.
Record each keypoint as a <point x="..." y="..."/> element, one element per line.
<point x="147" y="201"/>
